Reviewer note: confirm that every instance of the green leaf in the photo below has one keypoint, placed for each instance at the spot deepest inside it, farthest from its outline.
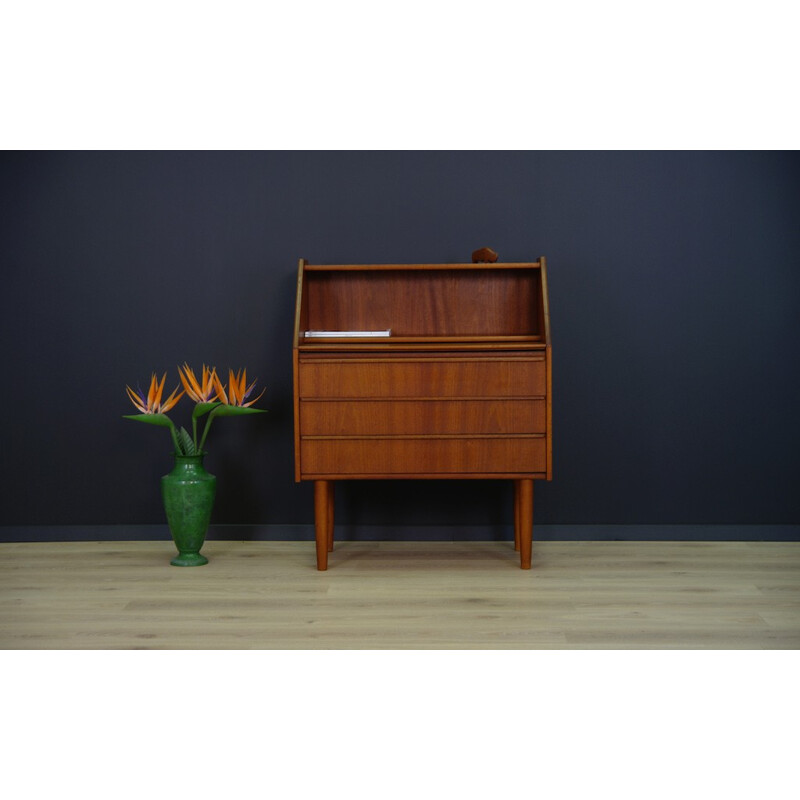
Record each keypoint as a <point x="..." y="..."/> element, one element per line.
<point x="186" y="443"/>
<point x="203" y="408"/>
<point x="236" y="411"/>
<point x="151" y="419"/>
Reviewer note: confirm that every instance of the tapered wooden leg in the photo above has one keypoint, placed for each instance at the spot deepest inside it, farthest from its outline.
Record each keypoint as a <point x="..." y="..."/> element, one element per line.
<point x="525" y="522"/>
<point x="516" y="515"/>
<point x="330" y="515"/>
<point x="321" y="517"/>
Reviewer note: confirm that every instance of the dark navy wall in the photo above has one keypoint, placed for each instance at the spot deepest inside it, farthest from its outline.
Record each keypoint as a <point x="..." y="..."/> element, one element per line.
<point x="675" y="309"/>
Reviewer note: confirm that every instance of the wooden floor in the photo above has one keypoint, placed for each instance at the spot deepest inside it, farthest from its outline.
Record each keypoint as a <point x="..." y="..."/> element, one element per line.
<point x="268" y="595"/>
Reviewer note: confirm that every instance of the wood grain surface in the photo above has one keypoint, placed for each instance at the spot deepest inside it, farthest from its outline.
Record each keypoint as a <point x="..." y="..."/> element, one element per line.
<point x="458" y="386"/>
<point x="407" y="416"/>
<point x="425" y="302"/>
<point x="446" y="377"/>
<point x="383" y="456"/>
<point x="402" y="595"/>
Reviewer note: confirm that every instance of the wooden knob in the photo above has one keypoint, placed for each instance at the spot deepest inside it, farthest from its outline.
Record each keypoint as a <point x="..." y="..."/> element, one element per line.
<point x="483" y="255"/>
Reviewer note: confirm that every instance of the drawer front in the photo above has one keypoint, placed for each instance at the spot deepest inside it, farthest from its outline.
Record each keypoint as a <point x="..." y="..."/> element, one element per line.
<point x="387" y="417"/>
<point x="465" y="378"/>
<point x="422" y="456"/>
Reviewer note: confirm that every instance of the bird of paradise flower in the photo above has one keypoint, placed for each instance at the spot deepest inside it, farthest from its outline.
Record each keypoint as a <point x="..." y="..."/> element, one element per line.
<point x="212" y="399"/>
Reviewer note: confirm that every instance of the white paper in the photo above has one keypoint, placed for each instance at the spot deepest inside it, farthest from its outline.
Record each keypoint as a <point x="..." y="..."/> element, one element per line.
<point x="347" y="334"/>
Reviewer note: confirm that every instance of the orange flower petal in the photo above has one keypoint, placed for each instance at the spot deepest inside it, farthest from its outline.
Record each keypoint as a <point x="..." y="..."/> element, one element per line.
<point x="186" y="385"/>
<point x="233" y="387"/>
<point x="190" y="382"/>
<point x="220" y="389"/>
<point x="161" y="390"/>
<point x="151" y="394"/>
<point x="208" y="381"/>
<point x="135" y="399"/>
<point x="171" y="400"/>
<point x="247" y="405"/>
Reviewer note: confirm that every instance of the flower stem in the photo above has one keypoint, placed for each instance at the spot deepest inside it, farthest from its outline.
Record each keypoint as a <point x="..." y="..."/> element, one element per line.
<point x="174" y="435"/>
<point x="205" y="430"/>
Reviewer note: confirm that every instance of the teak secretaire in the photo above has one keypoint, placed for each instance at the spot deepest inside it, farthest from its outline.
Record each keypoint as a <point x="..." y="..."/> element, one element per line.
<point x="422" y="371"/>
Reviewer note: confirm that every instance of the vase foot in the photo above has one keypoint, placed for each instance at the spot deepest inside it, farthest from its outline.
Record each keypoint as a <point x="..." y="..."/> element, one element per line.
<point x="189" y="560"/>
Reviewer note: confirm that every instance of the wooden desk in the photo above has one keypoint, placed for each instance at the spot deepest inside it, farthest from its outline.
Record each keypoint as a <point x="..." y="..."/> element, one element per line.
<point x="460" y="389"/>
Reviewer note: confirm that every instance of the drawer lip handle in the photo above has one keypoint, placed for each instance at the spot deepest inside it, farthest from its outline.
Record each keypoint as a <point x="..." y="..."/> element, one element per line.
<point x="434" y="360"/>
<point x="464" y="437"/>
<point x="447" y="398"/>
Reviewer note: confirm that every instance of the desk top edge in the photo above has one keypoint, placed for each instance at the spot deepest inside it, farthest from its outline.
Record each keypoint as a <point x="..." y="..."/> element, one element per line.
<point x="398" y="267"/>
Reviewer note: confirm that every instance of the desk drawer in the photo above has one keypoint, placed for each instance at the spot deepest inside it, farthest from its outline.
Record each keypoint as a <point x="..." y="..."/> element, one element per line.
<point x="431" y="378"/>
<point x="388" y="417"/>
<point x="376" y="457"/>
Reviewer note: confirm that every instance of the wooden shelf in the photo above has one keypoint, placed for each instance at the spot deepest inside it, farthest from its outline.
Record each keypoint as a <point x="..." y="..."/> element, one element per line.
<point x="421" y="343"/>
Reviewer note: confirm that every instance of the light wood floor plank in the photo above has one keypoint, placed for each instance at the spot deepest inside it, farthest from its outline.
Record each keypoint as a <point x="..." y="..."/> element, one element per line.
<point x="400" y="595"/>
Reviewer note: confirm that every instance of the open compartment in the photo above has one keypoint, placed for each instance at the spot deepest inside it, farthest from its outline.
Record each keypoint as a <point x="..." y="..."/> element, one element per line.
<point x="421" y="304"/>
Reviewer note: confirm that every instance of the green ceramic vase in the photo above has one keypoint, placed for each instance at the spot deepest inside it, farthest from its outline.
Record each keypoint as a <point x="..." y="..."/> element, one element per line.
<point x="188" y="493"/>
